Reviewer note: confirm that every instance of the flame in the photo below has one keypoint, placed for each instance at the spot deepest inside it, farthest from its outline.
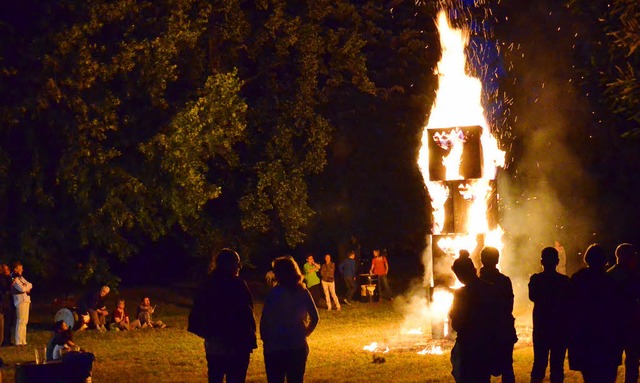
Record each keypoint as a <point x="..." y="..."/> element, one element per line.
<point x="459" y="104"/>
<point x="415" y="331"/>
<point x="434" y="350"/>
<point x="439" y="194"/>
<point x="441" y="304"/>
<point x="451" y="141"/>
<point x="371" y="347"/>
<point x="376" y="347"/>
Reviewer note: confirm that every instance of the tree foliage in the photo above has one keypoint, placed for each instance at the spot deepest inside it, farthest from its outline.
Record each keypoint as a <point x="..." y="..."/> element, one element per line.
<point x="610" y="48"/>
<point x="109" y="123"/>
<point x="293" y="56"/>
<point x="127" y="122"/>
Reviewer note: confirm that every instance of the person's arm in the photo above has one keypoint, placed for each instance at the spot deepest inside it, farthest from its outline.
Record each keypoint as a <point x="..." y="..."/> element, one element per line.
<point x="533" y="291"/>
<point x="386" y="266"/>
<point x="265" y="319"/>
<point x="21" y="285"/>
<point x="312" y="310"/>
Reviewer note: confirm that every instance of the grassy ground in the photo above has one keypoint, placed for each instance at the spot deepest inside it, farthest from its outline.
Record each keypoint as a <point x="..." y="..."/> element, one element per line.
<point x="174" y="355"/>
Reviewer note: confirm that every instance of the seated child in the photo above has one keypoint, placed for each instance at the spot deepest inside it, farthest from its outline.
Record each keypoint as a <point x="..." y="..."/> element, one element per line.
<point x="62" y="340"/>
<point x="78" y="364"/>
<point x="120" y="320"/>
<point x="145" y="312"/>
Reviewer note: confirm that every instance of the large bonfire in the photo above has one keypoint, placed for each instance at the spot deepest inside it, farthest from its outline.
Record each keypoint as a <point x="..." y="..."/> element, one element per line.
<point x="457" y="107"/>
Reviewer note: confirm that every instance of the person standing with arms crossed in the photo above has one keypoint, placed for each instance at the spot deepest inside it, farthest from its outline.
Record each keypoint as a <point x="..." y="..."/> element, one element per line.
<point x="21" y="290"/>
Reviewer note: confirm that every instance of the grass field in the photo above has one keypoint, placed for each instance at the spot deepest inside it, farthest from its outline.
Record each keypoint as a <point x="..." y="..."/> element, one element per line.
<point x="337" y="355"/>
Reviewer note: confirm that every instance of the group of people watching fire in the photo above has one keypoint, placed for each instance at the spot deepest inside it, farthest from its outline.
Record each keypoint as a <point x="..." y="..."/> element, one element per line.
<point x="325" y="283"/>
<point x="594" y="315"/>
<point x="222" y="313"/>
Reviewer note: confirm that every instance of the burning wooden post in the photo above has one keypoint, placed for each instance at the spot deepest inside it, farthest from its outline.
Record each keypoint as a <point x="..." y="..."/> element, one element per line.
<point x="458" y="159"/>
<point x="464" y="210"/>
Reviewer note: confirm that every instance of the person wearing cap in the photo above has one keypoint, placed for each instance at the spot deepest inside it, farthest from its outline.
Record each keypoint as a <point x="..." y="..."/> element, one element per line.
<point x="222" y="314"/>
<point x="548" y="291"/>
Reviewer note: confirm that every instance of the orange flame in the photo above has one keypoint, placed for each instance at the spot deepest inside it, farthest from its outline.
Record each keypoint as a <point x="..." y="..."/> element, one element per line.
<point x="459" y="103"/>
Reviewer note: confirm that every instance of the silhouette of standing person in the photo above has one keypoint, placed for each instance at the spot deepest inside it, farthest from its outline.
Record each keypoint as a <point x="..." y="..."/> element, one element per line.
<point x="222" y="314"/>
<point x="288" y="318"/>
<point x="627" y="279"/>
<point x="548" y="291"/>
<point x="473" y="317"/>
<point x="595" y="342"/>
<point x="348" y="270"/>
<point x="506" y="336"/>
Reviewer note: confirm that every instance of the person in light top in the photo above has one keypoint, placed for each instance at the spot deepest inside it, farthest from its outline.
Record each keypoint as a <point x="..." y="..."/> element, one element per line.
<point x="21" y="290"/>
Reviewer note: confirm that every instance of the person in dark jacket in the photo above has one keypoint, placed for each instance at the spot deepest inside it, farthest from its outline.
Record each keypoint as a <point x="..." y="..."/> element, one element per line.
<point x="7" y="309"/>
<point x="473" y="317"/>
<point x="625" y="275"/>
<point x="348" y="270"/>
<point x="93" y="304"/>
<point x="506" y="336"/>
<point x="222" y="314"/>
<point x="548" y="291"/>
<point x="595" y="338"/>
<point x="288" y="319"/>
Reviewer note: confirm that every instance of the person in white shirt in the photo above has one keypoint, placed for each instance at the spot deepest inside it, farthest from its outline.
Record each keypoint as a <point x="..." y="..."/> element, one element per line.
<point x="21" y="288"/>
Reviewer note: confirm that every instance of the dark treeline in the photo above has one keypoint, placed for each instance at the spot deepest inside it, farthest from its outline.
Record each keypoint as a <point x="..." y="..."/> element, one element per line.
<point x="156" y="132"/>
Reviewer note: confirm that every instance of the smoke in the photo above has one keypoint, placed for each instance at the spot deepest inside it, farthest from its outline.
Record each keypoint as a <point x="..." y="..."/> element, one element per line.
<point x="414" y="306"/>
<point x="545" y="195"/>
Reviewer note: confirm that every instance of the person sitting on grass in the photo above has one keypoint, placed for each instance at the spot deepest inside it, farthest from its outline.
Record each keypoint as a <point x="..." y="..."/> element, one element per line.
<point x="93" y="304"/>
<point x="145" y="315"/>
<point x="77" y="363"/>
<point x="62" y="341"/>
<point x="120" y="319"/>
